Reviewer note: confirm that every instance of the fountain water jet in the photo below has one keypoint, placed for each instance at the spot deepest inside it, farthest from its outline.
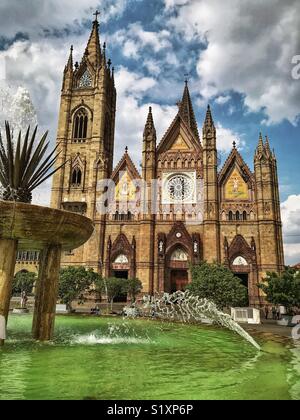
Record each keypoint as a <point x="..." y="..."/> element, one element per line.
<point x="187" y="308"/>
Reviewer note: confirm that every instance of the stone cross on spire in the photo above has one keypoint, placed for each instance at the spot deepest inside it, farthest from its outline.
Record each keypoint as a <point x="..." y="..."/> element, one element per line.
<point x="97" y="13"/>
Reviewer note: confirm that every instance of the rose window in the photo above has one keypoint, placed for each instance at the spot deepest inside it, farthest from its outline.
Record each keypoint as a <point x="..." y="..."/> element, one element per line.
<point x="180" y="188"/>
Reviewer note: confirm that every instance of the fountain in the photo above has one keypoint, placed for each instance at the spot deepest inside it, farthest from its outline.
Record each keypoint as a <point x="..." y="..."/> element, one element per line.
<point x="187" y="308"/>
<point x="25" y="226"/>
<point x="24" y="167"/>
<point x="112" y="359"/>
<point x="17" y="107"/>
<point x="140" y="359"/>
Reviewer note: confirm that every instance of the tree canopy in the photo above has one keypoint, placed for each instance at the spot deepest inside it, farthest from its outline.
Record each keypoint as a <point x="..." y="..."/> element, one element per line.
<point x="75" y="284"/>
<point x="283" y="289"/>
<point x="217" y="283"/>
<point x="115" y="287"/>
<point x="24" y="282"/>
<point x="133" y="287"/>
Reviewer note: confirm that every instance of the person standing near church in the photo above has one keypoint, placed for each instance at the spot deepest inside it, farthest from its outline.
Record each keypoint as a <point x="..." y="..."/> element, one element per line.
<point x="278" y="313"/>
<point x="266" y="312"/>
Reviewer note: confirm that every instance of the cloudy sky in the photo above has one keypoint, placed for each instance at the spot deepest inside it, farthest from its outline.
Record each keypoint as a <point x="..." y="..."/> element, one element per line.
<point x="238" y="55"/>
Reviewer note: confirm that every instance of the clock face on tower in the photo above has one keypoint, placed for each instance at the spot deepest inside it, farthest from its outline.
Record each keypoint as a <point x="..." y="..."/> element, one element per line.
<point x="179" y="188"/>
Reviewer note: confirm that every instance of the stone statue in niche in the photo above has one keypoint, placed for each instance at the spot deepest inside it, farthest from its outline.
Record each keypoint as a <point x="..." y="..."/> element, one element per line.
<point x="226" y="245"/>
<point x="196" y="247"/>
<point x="161" y="247"/>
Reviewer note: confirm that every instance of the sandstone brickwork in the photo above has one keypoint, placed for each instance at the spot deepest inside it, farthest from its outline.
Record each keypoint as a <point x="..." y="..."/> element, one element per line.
<point x="233" y="214"/>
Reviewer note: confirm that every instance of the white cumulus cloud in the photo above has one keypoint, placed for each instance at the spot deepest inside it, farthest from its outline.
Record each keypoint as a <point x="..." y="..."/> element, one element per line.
<point x="223" y="99"/>
<point x="250" y="46"/>
<point x="226" y="137"/>
<point x="36" y="17"/>
<point x="134" y="39"/>
<point x="132" y="113"/>
<point x="290" y="210"/>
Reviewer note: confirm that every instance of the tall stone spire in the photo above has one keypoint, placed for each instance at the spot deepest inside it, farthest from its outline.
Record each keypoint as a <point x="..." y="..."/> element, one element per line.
<point x="93" y="49"/>
<point x="209" y="122"/>
<point x="260" y="147"/>
<point x="70" y="60"/>
<point x="68" y="73"/>
<point x="186" y="111"/>
<point x="149" y="130"/>
<point x="267" y="147"/>
<point x="149" y="148"/>
<point x="209" y="131"/>
<point x="211" y="191"/>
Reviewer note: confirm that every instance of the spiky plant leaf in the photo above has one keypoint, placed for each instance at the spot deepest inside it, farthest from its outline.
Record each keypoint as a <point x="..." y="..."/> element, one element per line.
<point x="17" y="170"/>
<point x="10" y="154"/>
<point x="47" y="176"/>
<point x="24" y="167"/>
<point x="35" y="159"/>
<point x="24" y="150"/>
<point x="44" y="168"/>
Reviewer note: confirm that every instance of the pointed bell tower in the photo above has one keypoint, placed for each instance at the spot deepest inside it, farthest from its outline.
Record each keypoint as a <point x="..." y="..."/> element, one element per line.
<point x="149" y="149"/>
<point x="268" y="206"/>
<point x="186" y="111"/>
<point x="86" y="139"/>
<point x="211" y="200"/>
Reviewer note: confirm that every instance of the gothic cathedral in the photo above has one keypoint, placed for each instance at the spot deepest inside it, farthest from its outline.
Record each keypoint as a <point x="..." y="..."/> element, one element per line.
<point x="194" y="211"/>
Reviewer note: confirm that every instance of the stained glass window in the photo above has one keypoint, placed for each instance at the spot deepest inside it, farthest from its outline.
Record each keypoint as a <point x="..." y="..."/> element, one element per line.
<point x="80" y="125"/>
<point x="86" y="80"/>
<point x="240" y="261"/>
<point x="180" y="188"/>
<point x="122" y="259"/>
<point x="179" y="255"/>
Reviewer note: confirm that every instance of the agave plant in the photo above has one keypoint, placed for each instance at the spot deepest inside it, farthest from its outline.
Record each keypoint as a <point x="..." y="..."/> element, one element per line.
<point x="24" y="165"/>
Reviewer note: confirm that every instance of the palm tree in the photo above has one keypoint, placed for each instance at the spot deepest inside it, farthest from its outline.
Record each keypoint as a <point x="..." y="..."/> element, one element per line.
<point x="23" y="168"/>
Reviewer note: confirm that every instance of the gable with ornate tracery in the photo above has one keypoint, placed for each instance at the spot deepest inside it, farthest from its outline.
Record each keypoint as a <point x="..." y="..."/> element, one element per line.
<point x="121" y="254"/>
<point x="84" y="75"/>
<point x="237" y="190"/>
<point x="77" y="172"/>
<point x="124" y="203"/>
<point x="179" y="149"/>
<point x="240" y="253"/>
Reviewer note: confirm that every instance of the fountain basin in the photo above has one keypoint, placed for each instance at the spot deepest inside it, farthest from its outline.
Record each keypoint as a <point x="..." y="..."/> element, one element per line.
<point x="35" y="227"/>
<point x="20" y="311"/>
<point x="113" y="359"/>
<point x="25" y="226"/>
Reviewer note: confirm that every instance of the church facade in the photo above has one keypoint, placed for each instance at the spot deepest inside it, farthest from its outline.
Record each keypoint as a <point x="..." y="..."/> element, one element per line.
<point x="180" y="209"/>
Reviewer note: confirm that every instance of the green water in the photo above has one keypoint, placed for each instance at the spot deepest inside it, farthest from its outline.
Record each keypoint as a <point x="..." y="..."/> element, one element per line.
<point x="95" y="358"/>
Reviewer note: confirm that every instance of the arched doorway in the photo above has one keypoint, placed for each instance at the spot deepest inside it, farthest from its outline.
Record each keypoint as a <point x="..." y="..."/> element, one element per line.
<point x="178" y="267"/>
<point x="121" y="270"/>
<point x="241" y="269"/>
<point x="241" y="258"/>
<point x="121" y="267"/>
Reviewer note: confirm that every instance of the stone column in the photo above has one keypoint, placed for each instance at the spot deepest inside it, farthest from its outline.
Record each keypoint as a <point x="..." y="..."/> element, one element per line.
<point x="8" y="253"/>
<point x="46" y="293"/>
<point x="160" y="287"/>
